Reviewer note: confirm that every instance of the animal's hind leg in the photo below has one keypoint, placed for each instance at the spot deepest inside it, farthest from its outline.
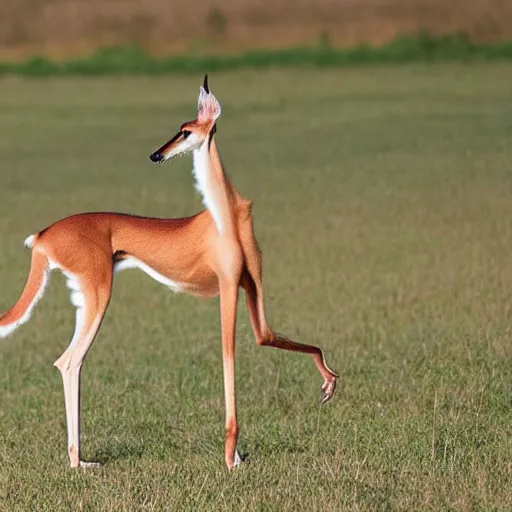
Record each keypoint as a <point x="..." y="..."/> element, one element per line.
<point x="91" y="297"/>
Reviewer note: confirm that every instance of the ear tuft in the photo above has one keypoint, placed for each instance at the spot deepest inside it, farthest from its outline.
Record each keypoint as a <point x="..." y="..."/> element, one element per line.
<point x="203" y="97"/>
<point x="208" y="108"/>
<point x="205" y="83"/>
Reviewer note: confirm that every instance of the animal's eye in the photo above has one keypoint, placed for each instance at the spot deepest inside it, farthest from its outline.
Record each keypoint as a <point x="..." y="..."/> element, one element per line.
<point x="185" y="133"/>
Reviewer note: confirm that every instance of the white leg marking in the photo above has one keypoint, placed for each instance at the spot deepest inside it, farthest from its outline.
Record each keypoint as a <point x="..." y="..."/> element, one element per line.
<point x="78" y="300"/>
<point x="71" y="373"/>
<point x="71" y="379"/>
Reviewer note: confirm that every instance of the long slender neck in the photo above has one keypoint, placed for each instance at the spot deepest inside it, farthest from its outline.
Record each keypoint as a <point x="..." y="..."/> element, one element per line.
<point x="219" y="194"/>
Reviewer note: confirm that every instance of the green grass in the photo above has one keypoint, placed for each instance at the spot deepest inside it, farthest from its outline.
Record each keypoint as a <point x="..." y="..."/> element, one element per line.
<point x="132" y="60"/>
<point x="382" y="206"/>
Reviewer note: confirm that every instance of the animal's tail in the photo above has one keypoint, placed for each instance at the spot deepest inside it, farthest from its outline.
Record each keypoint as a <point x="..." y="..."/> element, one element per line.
<point x="33" y="291"/>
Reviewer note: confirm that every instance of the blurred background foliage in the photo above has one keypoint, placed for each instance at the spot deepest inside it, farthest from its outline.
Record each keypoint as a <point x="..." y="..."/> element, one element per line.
<point x="75" y="28"/>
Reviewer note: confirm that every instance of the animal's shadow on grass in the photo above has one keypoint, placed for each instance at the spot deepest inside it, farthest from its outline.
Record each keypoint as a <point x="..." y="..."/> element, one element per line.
<point x="120" y="450"/>
<point x="157" y="447"/>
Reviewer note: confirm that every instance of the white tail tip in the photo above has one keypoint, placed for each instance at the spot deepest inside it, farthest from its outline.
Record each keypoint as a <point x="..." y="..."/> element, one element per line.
<point x="29" y="242"/>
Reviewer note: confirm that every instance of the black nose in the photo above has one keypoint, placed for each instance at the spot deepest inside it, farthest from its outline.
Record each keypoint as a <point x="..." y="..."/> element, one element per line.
<point x="156" y="156"/>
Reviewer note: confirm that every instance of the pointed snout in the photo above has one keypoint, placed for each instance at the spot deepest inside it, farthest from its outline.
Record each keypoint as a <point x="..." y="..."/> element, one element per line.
<point x="156" y="157"/>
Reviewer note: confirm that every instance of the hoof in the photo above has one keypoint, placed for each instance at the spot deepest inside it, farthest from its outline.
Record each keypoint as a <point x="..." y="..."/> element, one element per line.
<point x="237" y="460"/>
<point x="329" y="388"/>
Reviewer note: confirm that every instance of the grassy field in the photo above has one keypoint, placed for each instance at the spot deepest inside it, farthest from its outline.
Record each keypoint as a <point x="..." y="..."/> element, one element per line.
<point x="382" y="206"/>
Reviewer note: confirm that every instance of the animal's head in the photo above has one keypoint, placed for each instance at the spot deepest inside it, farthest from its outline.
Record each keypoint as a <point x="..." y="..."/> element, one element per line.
<point x="192" y="134"/>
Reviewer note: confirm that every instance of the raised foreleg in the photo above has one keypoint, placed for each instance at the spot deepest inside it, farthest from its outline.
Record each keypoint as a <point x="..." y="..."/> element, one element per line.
<point x="266" y="337"/>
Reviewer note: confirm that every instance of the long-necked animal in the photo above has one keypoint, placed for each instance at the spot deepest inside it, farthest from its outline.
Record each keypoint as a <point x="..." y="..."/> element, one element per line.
<point x="211" y="253"/>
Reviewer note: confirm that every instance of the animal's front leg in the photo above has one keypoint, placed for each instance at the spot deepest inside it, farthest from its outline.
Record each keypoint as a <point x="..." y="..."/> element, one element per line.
<point x="266" y="337"/>
<point x="228" y="303"/>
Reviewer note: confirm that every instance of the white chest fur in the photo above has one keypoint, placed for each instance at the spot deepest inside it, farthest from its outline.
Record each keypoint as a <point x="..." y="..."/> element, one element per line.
<point x="206" y="185"/>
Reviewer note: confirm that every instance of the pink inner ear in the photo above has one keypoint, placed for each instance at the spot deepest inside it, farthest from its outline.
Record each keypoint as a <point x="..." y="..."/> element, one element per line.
<point x="208" y="107"/>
